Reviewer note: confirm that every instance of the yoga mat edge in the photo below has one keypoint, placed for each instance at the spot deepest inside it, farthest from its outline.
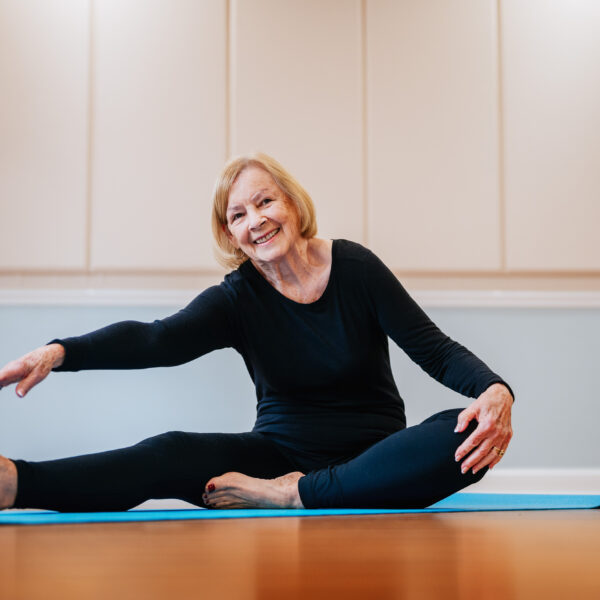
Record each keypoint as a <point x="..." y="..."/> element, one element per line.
<point x="460" y="502"/>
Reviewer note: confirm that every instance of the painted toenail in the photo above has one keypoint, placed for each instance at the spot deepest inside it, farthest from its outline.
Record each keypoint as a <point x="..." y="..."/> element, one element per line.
<point x="211" y="487"/>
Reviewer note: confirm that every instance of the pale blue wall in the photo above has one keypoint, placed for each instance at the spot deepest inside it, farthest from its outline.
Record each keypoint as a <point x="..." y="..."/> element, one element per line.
<point x="549" y="356"/>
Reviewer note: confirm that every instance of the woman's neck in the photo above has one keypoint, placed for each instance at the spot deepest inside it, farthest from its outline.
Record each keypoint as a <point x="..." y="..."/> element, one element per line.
<point x="301" y="269"/>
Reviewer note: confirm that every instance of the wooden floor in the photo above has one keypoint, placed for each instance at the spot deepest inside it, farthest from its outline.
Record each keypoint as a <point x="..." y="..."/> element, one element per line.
<point x="540" y="554"/>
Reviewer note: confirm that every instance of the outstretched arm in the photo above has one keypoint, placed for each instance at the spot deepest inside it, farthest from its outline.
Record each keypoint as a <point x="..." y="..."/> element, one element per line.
<point x="202" y="326"/>
<point x="199" y="328"/>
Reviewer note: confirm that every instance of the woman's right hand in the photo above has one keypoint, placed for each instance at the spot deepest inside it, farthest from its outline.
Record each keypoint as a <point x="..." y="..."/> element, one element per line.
<point x="32" y="368"/>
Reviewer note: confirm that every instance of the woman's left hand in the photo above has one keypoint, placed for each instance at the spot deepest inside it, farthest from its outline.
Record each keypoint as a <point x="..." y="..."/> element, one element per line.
<point x="492" y="411"/>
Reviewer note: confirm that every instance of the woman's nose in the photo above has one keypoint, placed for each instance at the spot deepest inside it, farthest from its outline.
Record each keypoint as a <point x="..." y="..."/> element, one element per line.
<point x="255" y="219"/>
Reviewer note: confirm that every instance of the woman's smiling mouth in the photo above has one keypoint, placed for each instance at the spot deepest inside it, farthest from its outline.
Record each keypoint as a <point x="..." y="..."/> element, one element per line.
<point x="265" y="238"/>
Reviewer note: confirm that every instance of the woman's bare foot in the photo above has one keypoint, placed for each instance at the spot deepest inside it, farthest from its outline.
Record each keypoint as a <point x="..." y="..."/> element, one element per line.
<point x="235" y="490"/>
<point x="8" y="482"/>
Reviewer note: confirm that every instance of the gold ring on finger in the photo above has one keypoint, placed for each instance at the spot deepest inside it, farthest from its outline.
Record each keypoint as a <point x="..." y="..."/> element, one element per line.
<point x="498" y="451"/>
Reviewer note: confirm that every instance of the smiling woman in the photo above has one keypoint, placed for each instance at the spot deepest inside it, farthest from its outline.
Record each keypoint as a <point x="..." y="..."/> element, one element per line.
<point x="281" y="185"/>
<point x="311" y="318"/>
<point x="263" y="220"/>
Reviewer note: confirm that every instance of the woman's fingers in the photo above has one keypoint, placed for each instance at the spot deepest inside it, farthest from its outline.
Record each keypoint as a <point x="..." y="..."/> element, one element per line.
<point x="493" y="462"/>
<point x="482" y="450"/>
<point x="486" y="454"/>
<point x="13" y="372"/>
<point x="493" y="457"/>
<point x="32" y="368"/>
<point x="32" y="379"/>
<point x="464" y="418"/>
<point x="492" y="410"/>
<point x="483" y="430"/>
<point x="503" y="446"/>
<point x="480" y="444"/>
<point x="486" y="461"/>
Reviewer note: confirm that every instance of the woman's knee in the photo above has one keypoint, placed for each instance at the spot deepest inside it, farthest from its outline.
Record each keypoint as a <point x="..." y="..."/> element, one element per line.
<point x="450" y="414"/>
<point x="165" y="444"/>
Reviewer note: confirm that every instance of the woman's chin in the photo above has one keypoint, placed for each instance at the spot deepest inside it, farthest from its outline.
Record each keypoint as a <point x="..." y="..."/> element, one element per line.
<point x="270" y="248"/>
<point x="269" y="254"/>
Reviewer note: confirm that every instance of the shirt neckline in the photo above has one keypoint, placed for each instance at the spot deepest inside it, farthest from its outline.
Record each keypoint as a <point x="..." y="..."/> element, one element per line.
<point x="255" y="273"/>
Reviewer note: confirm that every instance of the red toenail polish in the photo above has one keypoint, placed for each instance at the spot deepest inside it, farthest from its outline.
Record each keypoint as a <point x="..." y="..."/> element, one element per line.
<point x="211" y="487"/>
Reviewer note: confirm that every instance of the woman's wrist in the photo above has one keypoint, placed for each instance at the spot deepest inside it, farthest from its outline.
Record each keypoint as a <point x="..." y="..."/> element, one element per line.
<point x="503" y="389"/>
<point x="57" y="354"/>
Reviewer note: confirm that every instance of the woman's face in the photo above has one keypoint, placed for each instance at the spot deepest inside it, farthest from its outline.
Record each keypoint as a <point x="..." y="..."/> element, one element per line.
<point x="261" y="220"/>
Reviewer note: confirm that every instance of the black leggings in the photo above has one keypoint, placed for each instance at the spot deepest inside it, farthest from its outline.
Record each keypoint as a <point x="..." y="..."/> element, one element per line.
<point x="411" y="468"/>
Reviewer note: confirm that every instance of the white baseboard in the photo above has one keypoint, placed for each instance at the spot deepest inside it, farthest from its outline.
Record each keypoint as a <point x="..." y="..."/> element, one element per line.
<point x="539" y="481"/>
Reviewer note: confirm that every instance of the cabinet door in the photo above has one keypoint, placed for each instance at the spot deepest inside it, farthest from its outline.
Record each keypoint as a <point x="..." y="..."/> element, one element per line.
<point x="44" y="60"/>
<point x="552" y="142"/>
<point x="433" y="134"/>
<point x="158" y="131"/>
<point x="296" y="95"/>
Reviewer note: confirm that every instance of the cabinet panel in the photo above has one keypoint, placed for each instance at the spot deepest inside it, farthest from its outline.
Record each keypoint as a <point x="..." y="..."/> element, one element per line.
<point x="296" y="95"/>
<point x="159" y="131"/>
<point x="44" y="56"/>
<point x="433" y="134"/>
<point x="552" y="141"/>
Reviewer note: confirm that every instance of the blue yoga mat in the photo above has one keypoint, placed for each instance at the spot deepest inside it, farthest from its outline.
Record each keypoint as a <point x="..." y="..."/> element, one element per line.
<point x="460" y="502"/>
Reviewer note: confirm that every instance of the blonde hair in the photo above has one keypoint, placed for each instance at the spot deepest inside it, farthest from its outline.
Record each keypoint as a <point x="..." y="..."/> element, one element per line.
<point x="225" y="252"/>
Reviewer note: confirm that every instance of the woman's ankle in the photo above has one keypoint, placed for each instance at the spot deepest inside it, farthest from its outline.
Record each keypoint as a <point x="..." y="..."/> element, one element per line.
<point x="8" y="483"/>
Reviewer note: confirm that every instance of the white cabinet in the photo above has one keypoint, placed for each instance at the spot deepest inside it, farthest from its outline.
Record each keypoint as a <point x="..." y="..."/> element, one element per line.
<point x="43" y="134"/>
<point x="158" y="132"/>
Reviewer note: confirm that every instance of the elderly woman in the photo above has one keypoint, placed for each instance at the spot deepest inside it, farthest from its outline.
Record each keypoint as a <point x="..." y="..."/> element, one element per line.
<point x="311" y="318"/>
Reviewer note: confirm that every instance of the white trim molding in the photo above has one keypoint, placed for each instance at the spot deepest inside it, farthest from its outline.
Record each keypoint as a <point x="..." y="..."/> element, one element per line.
<point x="507" y="299"/>
<point x="425" y="298"/>
<point x="539" y="481"/>
<point x="95" y="297"/>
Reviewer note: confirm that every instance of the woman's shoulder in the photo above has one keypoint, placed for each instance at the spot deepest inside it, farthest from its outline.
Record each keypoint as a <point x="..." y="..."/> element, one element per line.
<point x="223" y="294"/>
<point x="353" y="251"/>
<point x="241" y="284"/>
<point x="236" y="280"/>
<point x="359" y="262"/>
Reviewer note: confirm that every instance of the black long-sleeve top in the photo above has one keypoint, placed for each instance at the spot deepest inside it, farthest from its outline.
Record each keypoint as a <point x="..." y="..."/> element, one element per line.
<point x="324" y="385"/>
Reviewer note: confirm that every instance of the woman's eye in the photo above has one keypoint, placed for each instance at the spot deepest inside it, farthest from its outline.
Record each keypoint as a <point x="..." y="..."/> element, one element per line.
<point x="267" y="200"/>
<point x="235" y="217"/>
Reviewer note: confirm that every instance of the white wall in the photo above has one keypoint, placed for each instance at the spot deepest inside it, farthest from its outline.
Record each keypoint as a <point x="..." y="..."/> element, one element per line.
<point x="459" y="140"/>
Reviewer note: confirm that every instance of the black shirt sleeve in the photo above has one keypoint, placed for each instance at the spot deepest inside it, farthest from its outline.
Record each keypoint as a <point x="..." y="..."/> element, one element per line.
<point x="406" y="323"/>
<point x="199" y="328"/>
